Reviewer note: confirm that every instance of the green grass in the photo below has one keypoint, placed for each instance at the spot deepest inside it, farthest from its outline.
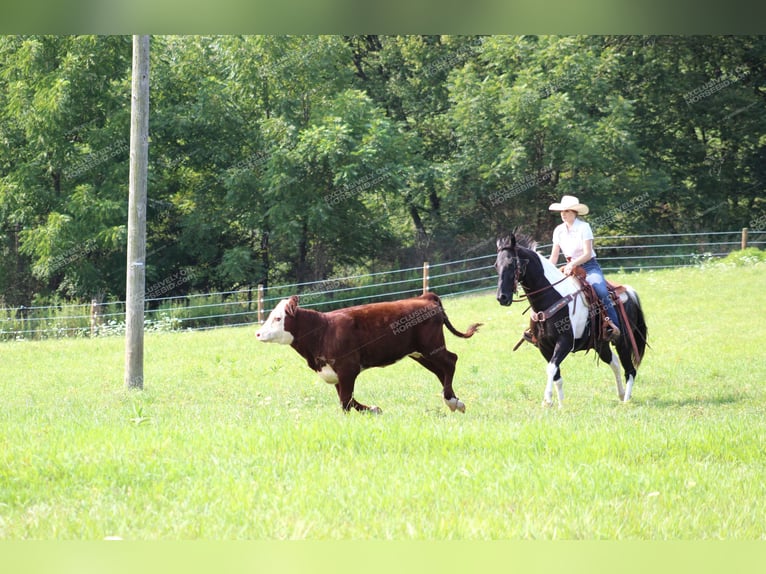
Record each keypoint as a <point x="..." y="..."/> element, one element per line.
<point x="235" y="439"/>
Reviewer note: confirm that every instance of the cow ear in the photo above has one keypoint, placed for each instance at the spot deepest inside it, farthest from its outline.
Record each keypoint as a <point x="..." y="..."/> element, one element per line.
<point x="292" y="305"/>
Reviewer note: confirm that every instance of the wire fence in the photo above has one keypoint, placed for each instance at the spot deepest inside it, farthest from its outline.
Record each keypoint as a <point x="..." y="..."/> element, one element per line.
<point x="625" y="253"/>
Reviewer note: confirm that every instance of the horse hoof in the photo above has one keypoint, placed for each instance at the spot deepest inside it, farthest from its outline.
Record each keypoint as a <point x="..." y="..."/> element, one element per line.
<point x="455" y="404"/>
<point x="547" y="404"/>
<point x="375" y="410"/>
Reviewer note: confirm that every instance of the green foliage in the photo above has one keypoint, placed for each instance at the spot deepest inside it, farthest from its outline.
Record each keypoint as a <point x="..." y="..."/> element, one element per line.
<point x="281" y="159"/>
<point x="744" y="257"/>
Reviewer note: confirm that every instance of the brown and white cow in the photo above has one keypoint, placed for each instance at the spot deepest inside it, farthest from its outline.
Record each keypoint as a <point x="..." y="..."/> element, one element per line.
<point x="338" y="345"/>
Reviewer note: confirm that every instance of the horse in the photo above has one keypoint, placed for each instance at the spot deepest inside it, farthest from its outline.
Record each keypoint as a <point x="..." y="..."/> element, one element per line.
<point x="564" y="321"/>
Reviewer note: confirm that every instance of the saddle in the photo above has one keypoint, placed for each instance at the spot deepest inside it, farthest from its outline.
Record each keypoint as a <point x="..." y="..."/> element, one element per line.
<point x="618" y="295"/>
<point x="597" y="332"/>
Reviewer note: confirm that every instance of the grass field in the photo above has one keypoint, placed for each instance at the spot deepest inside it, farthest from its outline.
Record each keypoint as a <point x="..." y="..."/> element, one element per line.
<point x="235" y="439"/>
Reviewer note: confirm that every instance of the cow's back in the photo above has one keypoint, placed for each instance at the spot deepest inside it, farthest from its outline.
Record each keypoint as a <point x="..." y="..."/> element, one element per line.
<point x="383" y="333"/>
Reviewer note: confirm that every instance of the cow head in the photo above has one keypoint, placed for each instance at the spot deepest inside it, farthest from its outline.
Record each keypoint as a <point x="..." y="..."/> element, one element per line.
<point x="274" y="329"/>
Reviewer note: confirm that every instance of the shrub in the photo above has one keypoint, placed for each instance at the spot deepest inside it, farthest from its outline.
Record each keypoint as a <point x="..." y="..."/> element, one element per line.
<point x="744" y="257"/>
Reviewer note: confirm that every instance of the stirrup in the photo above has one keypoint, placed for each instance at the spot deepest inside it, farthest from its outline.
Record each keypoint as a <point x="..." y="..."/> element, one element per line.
<point x="529" y="337"/>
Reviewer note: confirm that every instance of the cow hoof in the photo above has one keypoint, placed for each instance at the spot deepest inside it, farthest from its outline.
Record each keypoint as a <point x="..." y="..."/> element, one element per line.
<point x="455" y="404"/>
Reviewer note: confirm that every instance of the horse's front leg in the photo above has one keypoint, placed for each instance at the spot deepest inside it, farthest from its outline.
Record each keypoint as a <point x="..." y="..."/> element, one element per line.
<point x="554" y="358"/>
<point x="560" y="351"/>
<point x="554" y="377"/>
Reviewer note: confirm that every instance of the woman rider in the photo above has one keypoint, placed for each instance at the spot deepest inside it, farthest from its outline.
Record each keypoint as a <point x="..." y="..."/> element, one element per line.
<point x="574" y="238"/>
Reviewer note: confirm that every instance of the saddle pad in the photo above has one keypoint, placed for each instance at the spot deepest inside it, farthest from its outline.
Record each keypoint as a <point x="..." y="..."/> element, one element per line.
<point x="620" y="290"/>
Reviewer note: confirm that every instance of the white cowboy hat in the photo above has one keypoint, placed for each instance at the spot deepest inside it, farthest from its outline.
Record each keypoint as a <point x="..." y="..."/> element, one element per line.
<point x="570" y="202"/>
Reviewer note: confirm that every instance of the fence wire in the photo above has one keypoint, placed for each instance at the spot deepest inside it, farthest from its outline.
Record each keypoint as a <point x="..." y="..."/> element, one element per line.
<point x="205" y="311"/>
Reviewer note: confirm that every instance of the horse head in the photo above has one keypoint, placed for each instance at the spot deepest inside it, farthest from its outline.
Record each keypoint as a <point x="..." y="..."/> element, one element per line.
<point x="508" y="269"/>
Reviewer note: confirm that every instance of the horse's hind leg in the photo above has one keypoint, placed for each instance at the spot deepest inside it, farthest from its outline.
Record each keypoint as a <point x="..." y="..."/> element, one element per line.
<point x="630" y="369"/>
<point x="606" y="355"/>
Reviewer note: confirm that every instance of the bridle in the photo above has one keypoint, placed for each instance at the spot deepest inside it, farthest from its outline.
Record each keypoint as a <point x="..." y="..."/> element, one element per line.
<point x="516" y="271"/>
<point x="517" y="276"/>
<point x="516" y="266"/>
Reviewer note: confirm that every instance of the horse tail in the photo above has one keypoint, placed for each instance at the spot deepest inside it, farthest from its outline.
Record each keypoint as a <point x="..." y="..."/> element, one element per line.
<point x="639" y="328"/>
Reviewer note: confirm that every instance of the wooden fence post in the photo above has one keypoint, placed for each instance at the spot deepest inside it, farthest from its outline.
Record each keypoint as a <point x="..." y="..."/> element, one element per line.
<point x="260" y="303"/>
<point x="744" y="238"/>
<point x="135" y="295"/>
<point x="425" y="277"/>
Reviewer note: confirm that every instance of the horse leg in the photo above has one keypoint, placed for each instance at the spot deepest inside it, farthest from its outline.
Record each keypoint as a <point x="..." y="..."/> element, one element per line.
<point x="623" y="349"/>
<point x="554" y="377"/>
<point x="547" y="352"/>
<point x="554" y="358"/>
<point x="606" y="355"/>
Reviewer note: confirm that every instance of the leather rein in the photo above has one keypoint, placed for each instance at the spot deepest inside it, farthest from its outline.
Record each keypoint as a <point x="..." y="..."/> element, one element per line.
<point x="517" y="275"/>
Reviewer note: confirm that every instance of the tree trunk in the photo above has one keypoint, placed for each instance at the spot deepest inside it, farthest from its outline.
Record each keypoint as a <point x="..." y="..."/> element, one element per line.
<point x="265" y="259"/>
<point x="300" y="273"/>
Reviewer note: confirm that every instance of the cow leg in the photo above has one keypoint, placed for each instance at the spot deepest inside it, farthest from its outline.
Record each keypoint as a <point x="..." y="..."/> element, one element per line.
<point x="345" y="388"/>
<point x="442" y="363"/>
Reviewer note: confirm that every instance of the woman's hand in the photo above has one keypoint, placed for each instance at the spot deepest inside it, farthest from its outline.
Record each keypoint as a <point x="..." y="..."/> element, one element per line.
<point x="568" y="269"/>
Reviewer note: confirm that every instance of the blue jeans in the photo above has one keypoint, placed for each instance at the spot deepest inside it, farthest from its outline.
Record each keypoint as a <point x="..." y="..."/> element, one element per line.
<point x="595" y="277"/>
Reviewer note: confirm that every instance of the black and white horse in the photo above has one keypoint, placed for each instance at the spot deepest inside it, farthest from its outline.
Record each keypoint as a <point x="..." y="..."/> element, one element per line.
<point x="558" y="302"/>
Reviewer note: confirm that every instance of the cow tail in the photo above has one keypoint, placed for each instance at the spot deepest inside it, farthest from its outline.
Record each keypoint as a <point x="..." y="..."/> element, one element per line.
<point x="467" y="335"/>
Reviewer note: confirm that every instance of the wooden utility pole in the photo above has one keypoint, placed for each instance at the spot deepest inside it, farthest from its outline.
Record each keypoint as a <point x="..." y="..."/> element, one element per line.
<point x="139" y="160"/>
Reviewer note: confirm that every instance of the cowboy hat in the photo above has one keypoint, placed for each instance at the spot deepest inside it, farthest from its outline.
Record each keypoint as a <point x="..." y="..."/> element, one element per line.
<point x="570" y="202"/>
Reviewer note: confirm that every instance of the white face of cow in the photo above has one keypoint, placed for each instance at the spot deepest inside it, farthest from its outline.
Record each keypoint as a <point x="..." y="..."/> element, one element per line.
<point x="273" y="330"/>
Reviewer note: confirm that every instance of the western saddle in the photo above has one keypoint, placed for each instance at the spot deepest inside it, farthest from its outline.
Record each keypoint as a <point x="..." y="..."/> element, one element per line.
<point x="596" y="310"/>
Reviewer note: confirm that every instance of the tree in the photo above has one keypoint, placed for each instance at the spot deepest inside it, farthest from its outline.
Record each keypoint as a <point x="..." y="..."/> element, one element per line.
<point x="407" y="77"/>
<point x="64" y="118"/>
<point x="277" y="159"/>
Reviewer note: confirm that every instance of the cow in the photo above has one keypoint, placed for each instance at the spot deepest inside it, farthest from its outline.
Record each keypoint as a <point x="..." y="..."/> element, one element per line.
<point x="340" y="344"/>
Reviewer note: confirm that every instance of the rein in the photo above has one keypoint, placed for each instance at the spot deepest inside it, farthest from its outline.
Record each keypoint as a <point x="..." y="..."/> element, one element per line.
<point x="535" y="292"/>
<point x="526" y="295"/>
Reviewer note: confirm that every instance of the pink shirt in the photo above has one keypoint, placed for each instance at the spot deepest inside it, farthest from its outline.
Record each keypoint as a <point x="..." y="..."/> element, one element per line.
<point x="572" y="241"/>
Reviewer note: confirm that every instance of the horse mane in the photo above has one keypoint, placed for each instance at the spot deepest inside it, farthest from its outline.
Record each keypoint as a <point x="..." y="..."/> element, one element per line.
<point x="522" y="240"/>
<point x="525" y="240"/>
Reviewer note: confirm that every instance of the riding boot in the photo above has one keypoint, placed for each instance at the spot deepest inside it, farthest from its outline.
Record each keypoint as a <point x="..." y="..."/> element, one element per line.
<point x="612" y="330"/>
<point x="527" y="336"/>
